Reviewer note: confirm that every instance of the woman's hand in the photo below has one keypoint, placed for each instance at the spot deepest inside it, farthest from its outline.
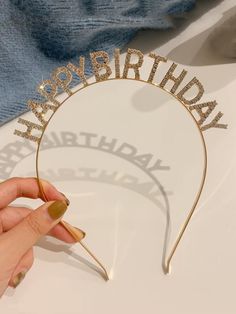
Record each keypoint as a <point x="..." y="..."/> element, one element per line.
<point x="20" y="227"/>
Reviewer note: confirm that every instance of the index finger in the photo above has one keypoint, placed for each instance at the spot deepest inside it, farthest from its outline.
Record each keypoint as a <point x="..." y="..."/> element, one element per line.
<point x="14" y="188"/>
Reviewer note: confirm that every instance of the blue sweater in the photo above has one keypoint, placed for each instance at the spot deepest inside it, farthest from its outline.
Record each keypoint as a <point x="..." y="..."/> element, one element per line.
<point x="36" y="36"/>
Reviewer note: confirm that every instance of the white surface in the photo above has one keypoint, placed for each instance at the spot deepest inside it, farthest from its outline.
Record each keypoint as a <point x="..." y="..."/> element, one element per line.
<point x="125" y="228"/>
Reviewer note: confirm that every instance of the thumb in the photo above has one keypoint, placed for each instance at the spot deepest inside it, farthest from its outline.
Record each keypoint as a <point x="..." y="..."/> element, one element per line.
<point x="23" y="236"/>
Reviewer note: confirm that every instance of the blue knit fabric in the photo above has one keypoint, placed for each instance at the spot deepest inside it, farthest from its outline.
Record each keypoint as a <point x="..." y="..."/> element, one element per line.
<point x="36" y="36"/>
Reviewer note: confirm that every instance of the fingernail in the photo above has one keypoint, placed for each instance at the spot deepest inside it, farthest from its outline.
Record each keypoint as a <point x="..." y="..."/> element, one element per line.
<point x="57" y="209"/>
<point x="66" y="199"/>
<point x="81" y="231"/>
<point x="18" y="279"/>
<point x="77" y="233"/>
<point x="80" y="234"/>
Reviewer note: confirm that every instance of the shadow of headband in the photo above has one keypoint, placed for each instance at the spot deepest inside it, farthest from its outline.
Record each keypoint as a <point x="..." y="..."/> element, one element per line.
<point x="203" y="115"/>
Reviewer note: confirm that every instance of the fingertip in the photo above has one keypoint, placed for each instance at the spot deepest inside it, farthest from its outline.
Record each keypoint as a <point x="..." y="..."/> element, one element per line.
<point x="17" y="279"/>
<point x="67" y="233"/>
<point x="62" y="234"/>
<point x="51" y="192"/>
<point x="22" y="269"/>
<point x="66" y="199"/>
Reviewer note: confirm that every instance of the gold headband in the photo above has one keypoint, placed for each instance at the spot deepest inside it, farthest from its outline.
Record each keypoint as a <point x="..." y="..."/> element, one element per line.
<point x="63" y="78"/>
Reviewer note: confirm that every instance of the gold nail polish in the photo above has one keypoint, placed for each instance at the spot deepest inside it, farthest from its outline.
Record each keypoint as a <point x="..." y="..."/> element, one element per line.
<point x="18" y="279"/>
<point x="66" y="199"/>
<point x="83" y="234"/>
<point x="76" y="233"/>
<point x="57" y="209"/>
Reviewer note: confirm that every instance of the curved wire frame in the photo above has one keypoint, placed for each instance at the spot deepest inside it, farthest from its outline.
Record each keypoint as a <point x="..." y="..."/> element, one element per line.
<point x="167" y="260"/>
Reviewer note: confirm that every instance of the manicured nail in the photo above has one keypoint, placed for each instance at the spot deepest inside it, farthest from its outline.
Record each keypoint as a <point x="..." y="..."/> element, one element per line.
<point x="57" y="209"/>
<point x="76" y="233"/>
<point x="66" y="199"/>
<point x="18" y="278"/>
<point x="83" y="234"/>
